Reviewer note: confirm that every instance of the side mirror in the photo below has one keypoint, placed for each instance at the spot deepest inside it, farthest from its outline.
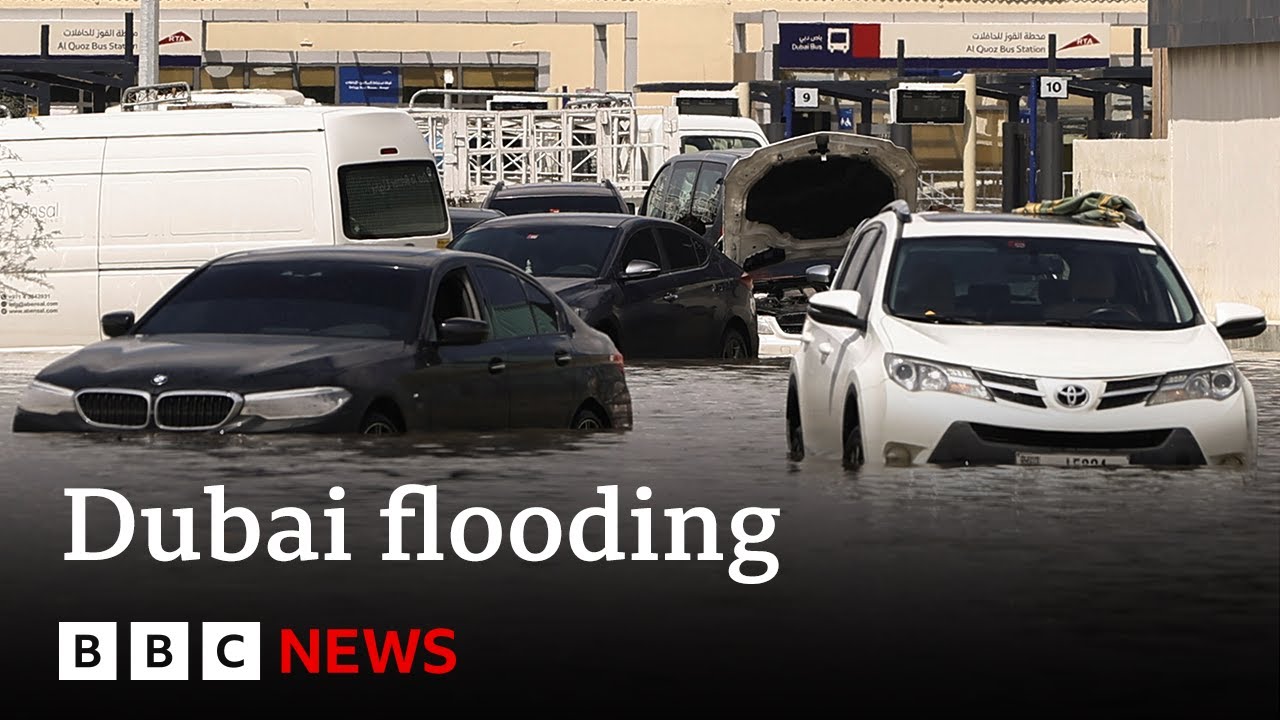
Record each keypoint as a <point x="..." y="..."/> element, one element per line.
<point x="463" y="331"/>
<point x="819" y="275"/>
<point x="1236" y="321"/>
<point x="838" y="308"/>
<point x="639" y="270"/>
<point x="117" y="323"/>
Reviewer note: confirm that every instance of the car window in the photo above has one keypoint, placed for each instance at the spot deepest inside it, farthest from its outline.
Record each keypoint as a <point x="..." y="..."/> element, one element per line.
<point x="867" y="282"/>
<point x="546" y="320"/>
<point x="678" y="198"/>
<point x="694" y="143"/>
<point x="455" y="298"/>
<point x="544" y="249"/>
<point x="391" y="200"/>
<point x="509" y="313"/>
<point x="657" y="193"/>
<point x="529" y="204"/>
<point x="707" y="195"/>
<point x="1055" y="281"/>
<point x="322" y="298"/>
<point x="851" y="268"/>
<point x="679" y="248"/>
<point x="641" y="246"/>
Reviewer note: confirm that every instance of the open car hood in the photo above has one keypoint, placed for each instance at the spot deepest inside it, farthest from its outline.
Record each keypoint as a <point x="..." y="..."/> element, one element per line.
<point x="862" y="175"/>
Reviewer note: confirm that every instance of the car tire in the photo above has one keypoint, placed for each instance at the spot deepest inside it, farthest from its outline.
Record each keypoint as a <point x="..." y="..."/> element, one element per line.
<point x="587" y="419"/>
<point x="377" y="423"/>
<point x="795" y="435"/>
<point x="733" y="345"/>
<point x="853" y="453"/>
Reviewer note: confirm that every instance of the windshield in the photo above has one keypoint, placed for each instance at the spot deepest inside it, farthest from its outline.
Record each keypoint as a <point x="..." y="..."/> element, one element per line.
<point x="388" y="200"/>
<point x="696" y="143"/>
<point x="311" y="298"/>
<point x="525" y="205"/>
<point x="544" y="250"/>
<point x="1037" y="281"/>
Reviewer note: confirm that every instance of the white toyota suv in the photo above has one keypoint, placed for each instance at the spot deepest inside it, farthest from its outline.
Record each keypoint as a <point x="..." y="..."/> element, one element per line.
<point x="962" y="338"/>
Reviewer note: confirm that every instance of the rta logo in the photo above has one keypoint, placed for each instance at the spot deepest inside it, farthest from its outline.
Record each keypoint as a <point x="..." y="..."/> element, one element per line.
<point x="159" y="651"/>
<point x="233" y="651"/>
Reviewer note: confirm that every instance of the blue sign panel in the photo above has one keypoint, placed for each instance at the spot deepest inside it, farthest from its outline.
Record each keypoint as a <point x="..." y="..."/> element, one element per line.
<point x="819" y="45"/>
<point x="369" y="85"/>
<point x="846" y="119"/>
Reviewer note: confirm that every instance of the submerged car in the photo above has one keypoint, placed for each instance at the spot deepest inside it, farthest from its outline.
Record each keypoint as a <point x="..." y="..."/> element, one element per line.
<point x="960" y="338"/>
<point x="779" y="210"/>
<point x="653" y="286"/>
<point x="339" y="340"/>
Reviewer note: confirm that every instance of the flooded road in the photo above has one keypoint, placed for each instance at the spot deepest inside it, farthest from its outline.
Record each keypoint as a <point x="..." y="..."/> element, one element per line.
<point x="903" y="589"/>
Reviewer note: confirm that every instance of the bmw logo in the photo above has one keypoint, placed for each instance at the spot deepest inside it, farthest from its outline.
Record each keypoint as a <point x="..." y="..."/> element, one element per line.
<point x="159" y="380"/>
<point x="1072" y="396"/>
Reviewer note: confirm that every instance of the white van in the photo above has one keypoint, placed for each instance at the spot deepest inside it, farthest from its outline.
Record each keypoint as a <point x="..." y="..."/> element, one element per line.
<point x="137" y="200"/>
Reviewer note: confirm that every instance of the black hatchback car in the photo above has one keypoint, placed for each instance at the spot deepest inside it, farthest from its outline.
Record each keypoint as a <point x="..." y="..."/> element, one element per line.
<point x="346" y="339"/>
<point x="655" y="287"/>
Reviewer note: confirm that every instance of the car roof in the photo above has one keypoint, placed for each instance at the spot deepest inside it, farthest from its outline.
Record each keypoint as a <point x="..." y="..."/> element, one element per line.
<point x="356" y="254"/>
<point x="559" y="188"/>
<point x="727" y="157"/>
<point x="580" y="219"/>
<point x="944" y="224"/>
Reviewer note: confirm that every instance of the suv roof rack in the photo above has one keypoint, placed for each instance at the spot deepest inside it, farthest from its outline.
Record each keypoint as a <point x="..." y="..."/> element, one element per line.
<point x="900" y="209"/>
<point x="159" y="94"/>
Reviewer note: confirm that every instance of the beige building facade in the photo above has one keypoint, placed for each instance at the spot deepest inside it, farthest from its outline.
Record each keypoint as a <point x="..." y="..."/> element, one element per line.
<point x="512" y="44"/>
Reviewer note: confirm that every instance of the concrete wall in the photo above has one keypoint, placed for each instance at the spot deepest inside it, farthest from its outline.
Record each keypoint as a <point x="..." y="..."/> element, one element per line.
<point x="1225" y="209"/>
<point x="1136" y="169"/>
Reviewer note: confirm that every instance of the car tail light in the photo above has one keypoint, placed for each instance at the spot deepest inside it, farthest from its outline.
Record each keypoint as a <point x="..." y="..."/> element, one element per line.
<point x="616" y="359"/>
<point x="746" y="280"/>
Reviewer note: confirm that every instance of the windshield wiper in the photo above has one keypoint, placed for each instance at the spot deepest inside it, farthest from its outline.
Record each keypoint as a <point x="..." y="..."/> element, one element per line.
<point x="1085" y="324"/>
<point x="942" y="319"/>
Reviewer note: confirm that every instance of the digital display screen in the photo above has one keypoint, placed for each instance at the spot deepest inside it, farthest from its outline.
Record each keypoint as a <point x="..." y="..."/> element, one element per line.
<point x="930" y="106"/>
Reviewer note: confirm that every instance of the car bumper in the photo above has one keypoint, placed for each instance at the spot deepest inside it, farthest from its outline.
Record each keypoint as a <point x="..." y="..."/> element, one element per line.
<point x="941" y="429"/>
<point x="774" y="341"/>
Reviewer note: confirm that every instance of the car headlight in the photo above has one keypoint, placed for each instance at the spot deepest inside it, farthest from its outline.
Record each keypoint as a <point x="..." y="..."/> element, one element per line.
<point x="926" y="376"/>
<point x="763" y="327"/>
<point x="295" y="404"/>
<point x="1217" y="383"/>
<point x="44" y="398"/>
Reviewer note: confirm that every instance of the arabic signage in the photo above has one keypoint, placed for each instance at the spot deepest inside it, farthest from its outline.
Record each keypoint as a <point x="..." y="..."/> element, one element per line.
<point x="365" y="85"/>
<point x="96" y="38"/>
<point x="829" y="45"/>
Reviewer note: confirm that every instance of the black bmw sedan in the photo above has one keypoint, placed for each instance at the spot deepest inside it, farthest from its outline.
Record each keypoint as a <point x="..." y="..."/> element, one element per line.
<point x="652" y="285"/>
<point x="345" y="339"/>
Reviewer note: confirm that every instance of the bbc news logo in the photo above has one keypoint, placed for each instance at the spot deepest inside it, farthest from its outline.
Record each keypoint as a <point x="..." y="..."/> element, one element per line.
<point x="233" y="651"/>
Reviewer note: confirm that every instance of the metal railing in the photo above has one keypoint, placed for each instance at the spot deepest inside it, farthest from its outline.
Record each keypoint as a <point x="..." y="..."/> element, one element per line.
<point x="945" y="188"/>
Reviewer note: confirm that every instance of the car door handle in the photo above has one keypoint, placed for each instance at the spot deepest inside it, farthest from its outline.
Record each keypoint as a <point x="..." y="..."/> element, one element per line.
<point x="496" y="366"/>
<point x="671" y="297"/>
<point x="563" y="357"/>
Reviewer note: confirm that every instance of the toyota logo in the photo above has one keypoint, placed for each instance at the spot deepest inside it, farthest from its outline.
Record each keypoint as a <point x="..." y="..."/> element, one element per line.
<point x="1073" y="396"/>
<point x="159" y="380"/>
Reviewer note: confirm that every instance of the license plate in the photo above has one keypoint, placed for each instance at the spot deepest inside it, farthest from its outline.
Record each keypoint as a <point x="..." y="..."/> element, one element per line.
<point x="1072" y="460"/>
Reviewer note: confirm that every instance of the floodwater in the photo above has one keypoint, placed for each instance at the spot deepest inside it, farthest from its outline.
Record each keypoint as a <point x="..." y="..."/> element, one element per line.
<point x="907" y="588"/>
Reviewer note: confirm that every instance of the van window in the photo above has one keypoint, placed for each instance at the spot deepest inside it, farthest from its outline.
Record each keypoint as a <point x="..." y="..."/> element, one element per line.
<point x="392" y="200"/>
<point x="707" y="195"/>
<point x="676" y="201"/>
<point x="694" y="143"/>
<point x="657" y="193"/>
